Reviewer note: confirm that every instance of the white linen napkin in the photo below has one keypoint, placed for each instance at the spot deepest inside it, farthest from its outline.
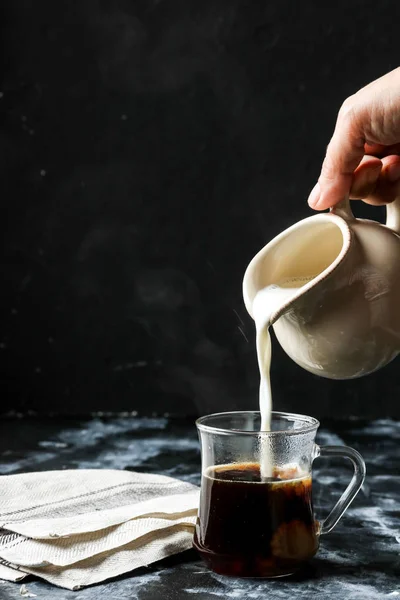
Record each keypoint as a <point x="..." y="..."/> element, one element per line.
<point x="76" y="528"/>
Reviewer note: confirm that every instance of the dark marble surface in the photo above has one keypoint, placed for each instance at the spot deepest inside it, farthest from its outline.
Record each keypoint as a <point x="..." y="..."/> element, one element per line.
<point x="358" y="560"/>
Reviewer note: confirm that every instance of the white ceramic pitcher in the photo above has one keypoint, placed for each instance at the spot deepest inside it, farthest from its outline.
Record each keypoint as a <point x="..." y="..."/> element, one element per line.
<point x="345" y="321"/>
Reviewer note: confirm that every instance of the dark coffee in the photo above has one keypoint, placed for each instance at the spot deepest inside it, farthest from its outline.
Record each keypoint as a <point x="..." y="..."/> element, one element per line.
<point x="249" y="527"/>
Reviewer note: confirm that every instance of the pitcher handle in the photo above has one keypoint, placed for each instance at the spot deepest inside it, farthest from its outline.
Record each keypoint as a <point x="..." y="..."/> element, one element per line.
<point x="352" y="489"/>
<point x="343" y="210"/>
<point x="393" y="215"/>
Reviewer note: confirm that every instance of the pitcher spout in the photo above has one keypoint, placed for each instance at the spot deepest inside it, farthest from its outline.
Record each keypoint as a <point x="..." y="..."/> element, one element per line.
<point x="295" y="261"/>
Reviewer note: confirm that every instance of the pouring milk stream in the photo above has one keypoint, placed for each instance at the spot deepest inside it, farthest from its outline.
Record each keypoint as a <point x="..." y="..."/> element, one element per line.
<point x="266" y="302"/>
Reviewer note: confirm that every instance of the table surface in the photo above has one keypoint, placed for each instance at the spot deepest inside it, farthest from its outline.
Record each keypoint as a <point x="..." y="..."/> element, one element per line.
<point x="360" y="559"/>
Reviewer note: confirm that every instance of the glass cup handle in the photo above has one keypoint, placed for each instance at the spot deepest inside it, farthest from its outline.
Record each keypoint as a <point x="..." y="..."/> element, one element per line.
<point x="352" y="489"/>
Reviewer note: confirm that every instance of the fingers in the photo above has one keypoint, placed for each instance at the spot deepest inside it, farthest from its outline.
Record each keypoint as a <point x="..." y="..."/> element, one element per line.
<point x="365" y="177"/>
<point x="380" y="151"/>
<point x="375" y="180"/>
<point x="387" y="187"/>
<point x="344" y="154"/>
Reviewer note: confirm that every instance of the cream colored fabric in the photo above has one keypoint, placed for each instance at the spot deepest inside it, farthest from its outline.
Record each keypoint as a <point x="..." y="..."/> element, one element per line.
<point x="76" y="528"/>
<point x="11" y="574"/>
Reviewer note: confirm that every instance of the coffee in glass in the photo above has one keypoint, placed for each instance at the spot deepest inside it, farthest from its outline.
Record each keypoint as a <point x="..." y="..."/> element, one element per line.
<point x="250" y="525"/>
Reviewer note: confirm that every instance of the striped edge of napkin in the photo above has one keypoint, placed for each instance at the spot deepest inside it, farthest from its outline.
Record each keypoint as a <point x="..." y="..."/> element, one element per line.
<point x="77" y="528"/>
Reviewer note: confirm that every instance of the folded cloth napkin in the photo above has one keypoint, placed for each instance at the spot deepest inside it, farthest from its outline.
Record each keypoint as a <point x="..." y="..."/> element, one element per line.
<point x="76" y="528"/>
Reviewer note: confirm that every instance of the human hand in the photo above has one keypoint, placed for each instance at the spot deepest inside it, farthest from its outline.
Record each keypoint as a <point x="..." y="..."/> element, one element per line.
<point x="363" y="157"/>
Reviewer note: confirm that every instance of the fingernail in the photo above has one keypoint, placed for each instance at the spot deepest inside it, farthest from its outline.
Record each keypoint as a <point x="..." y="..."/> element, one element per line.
<point x="314" y="196"/>
<point x="393" y="172"/>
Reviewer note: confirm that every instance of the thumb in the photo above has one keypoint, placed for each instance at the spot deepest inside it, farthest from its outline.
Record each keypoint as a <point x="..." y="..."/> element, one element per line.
<point x="343" y="155"/>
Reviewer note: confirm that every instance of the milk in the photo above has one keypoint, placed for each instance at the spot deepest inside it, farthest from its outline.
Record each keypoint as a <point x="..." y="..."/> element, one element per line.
<point x="266" y="302"/>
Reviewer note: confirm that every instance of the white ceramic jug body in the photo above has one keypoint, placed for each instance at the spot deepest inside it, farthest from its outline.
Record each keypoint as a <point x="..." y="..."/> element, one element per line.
<point x="345" y="321"/>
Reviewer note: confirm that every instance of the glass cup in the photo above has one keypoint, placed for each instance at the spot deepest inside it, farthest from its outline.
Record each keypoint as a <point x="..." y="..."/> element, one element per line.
<point x="256" y="516"/>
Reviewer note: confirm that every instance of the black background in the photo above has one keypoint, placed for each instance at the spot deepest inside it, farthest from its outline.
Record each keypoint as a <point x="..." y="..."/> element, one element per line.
<point x="148" y="149"/>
